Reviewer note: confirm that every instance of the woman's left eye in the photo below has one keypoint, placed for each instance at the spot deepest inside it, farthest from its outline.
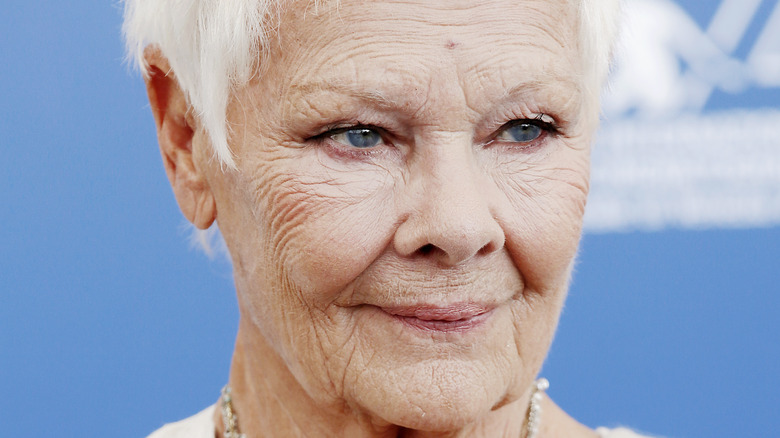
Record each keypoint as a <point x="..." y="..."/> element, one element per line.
<point x="360" y="137"/>
<point x="522" y="131"/>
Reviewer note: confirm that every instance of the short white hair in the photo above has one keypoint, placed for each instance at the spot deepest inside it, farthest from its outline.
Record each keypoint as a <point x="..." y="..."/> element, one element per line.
<point x="215" y="47"/>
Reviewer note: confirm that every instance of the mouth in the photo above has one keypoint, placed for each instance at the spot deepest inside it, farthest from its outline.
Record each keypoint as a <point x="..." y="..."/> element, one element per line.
<point x="453" y="318"/>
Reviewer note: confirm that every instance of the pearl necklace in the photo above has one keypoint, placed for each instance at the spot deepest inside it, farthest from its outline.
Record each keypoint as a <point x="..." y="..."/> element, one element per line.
<point x="229" y="417"/>
<point x="535" y="408"/>
<point x="534" y="416"/>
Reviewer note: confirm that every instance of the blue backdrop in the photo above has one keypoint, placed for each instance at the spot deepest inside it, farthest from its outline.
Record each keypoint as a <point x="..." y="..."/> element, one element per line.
<point x="111" y="324"/>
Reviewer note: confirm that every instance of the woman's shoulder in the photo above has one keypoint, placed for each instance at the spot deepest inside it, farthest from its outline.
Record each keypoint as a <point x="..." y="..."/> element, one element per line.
<point x="618" y="433"/>
<point x="200" y="425"/>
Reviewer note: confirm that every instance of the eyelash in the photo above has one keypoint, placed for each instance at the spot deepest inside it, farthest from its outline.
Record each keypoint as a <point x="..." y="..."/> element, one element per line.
<point x="550" y="126"/>
<point x="325" y="139"/>
<point x="547" y="127"/>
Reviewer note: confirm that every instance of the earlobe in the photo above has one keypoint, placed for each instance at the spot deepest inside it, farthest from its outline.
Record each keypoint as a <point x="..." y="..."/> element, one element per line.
<point x="180" y="142"/>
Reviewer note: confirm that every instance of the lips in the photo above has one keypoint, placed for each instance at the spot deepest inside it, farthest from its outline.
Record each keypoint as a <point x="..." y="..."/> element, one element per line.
<point x="451" y="318"/>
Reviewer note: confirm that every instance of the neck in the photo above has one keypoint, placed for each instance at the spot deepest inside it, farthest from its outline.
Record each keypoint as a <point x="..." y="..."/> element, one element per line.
<point x="269" y="402"/>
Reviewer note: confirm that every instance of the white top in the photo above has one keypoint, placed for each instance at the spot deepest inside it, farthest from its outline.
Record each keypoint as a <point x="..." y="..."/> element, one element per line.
<point x="201" y="425"/>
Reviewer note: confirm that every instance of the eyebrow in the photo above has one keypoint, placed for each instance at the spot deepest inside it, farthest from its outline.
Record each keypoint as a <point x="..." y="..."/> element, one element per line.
<point x="539" y="86"/>
<point x="565" y="96"/>
<point x="373" y="95"/>
<point x="521" y="90"/>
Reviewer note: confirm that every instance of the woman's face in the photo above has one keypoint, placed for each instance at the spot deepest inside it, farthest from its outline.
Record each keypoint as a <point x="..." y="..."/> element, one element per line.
<point x="408" y="200"/>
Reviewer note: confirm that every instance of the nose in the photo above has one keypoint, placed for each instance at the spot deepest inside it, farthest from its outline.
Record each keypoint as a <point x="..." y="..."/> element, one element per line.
<point x="449" y="216"/>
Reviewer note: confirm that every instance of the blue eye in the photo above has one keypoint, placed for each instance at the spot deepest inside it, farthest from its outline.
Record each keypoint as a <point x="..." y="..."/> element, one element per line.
<point x="520" y="133"/>
<point x="362" y="138"/>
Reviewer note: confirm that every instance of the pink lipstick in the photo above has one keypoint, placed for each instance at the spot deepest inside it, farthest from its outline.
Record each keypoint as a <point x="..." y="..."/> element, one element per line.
<point x="453" y="318"/>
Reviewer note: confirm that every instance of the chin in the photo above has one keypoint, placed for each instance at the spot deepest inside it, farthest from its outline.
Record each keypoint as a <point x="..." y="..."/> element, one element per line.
<point x="437" y="396"/>
<point x="432" y="417"/>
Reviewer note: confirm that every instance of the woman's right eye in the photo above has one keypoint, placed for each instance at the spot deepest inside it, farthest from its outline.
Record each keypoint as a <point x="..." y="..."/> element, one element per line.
<point x="359" y="137"/>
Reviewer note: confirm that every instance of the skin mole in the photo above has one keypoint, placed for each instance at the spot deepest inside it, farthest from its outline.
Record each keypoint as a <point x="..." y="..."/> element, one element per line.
<point x="451" y="44"/>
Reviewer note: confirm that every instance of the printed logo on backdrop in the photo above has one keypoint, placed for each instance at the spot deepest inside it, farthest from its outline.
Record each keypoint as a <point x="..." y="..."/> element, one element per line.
<point x="663" y="157"/>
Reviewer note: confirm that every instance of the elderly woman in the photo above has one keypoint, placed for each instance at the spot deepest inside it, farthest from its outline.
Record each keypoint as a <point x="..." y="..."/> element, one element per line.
<point x="400" y="185"/>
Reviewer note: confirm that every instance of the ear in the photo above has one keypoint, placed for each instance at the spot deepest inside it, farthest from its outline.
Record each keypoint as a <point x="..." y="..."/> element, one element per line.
<point x="176" y="129"/>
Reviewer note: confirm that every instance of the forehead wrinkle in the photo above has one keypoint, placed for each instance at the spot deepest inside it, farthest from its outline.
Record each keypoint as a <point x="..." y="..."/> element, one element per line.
<point x="559" y="25"/>
<point x="551" y="91"/>
<point x="541" y="30"/>
<point x="406" y="91"/>
<point x="384" y="83"/>
<point x="549" y="75"/>
<point x="532" y="19"/>
<point x="452" y="13"/>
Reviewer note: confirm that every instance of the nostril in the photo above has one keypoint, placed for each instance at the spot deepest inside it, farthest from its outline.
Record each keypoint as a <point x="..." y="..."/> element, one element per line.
<point x="426" y="249"/>
<point x="488" y="248"/>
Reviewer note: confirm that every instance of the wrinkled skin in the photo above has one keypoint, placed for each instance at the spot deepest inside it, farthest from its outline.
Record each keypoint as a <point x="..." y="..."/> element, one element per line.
<point x="444" y="212"/>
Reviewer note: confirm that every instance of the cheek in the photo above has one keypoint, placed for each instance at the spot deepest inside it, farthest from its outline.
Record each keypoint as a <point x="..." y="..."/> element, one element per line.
<point x="311" y="227"/>
<point x="325" y="223"/>
<point x="543" y="216"/>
